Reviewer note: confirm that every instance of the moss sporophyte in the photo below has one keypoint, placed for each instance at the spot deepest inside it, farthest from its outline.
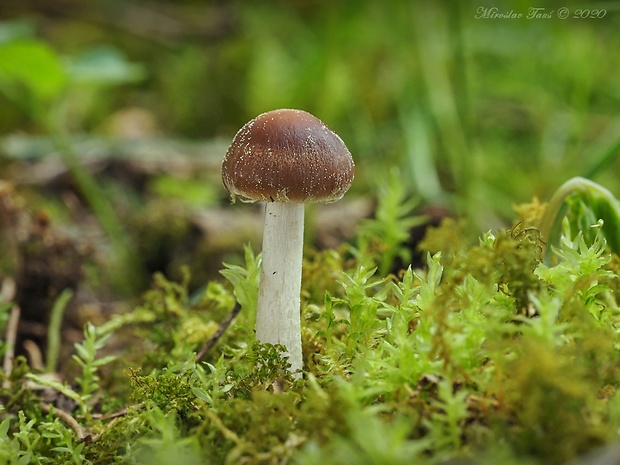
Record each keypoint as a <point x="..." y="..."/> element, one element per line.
<point x="487" y="354"/>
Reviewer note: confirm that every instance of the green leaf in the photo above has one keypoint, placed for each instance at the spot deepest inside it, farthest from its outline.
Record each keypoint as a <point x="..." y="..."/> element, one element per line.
<point x="62" y="388"/>
<point x="104" y="360"/>
<point x="4" y="427"/>
<point x="245" y="279"/>
<point x="32" y="65"/>
<point x="429" y="284"/>
<point x="102" y="66"/>
<point x="202" y="394"/>
<point x="83" y="353"/>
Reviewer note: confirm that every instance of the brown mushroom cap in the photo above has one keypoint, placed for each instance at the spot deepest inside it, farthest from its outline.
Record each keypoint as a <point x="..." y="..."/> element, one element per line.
<point x="287" y="156"/>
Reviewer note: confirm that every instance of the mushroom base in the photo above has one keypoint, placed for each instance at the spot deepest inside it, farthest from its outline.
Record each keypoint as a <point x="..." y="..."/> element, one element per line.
<point x="278" y="319"/>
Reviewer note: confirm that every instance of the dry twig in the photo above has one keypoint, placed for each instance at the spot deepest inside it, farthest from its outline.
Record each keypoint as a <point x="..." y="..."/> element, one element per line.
<point x="66" y="417"/>
<point x="219" y="333"/>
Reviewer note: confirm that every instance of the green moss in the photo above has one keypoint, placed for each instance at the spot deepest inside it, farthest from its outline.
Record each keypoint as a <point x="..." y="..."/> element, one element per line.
<point x="506" y="259"/>
<point x="486" y="354"/>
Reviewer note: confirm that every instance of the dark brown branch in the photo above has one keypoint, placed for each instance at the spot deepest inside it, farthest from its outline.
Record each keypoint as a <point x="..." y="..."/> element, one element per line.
<point x="219" y="333"/>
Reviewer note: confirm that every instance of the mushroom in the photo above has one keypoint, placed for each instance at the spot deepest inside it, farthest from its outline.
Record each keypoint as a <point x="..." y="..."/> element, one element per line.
<point x="285" y="158"/>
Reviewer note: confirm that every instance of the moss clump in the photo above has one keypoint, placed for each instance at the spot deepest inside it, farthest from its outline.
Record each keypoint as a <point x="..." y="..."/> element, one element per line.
<point x="486" y="355"/>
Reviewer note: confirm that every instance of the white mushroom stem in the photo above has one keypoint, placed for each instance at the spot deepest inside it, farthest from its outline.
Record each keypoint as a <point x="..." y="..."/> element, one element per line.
<point x="278" y="318"/>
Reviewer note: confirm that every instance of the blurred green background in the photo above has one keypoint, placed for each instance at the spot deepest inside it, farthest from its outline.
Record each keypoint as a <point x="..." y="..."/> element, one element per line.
<point x="473" y="113"/>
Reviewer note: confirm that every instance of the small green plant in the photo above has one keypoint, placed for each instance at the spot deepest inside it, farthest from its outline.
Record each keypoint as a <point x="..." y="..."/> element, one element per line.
<point x="245" y="279"/>
<point x="88" y="382"/>
<point x="585" y="202"/>
<point x="54" y="329"/>
<point x="86" y="358"/>
<point x="5" y="310"/>
<point x="381" y="239"/>
<point x="36" y="431"/>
